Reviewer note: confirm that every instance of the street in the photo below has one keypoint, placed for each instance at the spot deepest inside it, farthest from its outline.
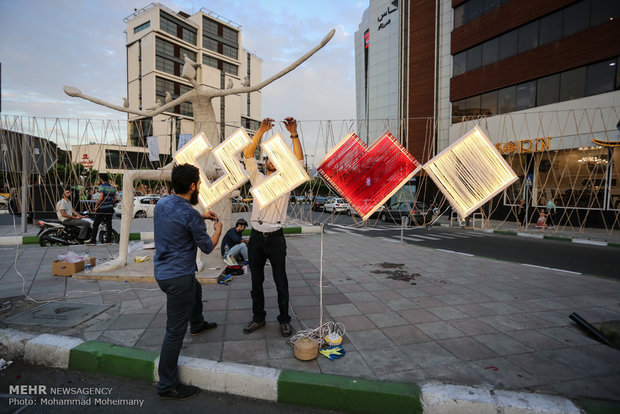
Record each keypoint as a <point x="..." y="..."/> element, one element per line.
<point x="571" y="257"/>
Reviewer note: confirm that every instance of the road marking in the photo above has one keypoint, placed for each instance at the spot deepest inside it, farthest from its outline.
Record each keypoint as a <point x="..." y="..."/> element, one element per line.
<point x="390" y="240"/>
<point x="413" y="239"/>
<point x="551" y="268"/>
<point x="452" y="251"/>
<point x="428" y="237"/>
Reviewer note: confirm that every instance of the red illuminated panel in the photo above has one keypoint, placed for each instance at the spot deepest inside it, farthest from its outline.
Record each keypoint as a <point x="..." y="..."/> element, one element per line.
<point x="368" y="177"/>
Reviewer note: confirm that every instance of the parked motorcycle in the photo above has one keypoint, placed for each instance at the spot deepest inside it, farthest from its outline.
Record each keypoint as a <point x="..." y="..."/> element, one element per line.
<point x="56" y="233"/>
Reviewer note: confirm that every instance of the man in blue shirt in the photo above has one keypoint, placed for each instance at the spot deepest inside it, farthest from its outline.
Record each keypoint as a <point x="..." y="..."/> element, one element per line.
<point x="104" y="208"/>
<point x="233" y="243"/>
<point x="179" y="231"/>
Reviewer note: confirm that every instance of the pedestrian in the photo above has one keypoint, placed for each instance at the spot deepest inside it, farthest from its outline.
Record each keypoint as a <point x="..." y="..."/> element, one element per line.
<point x="267" y="238"/>
<point x="233" y="244"/>
<point x="104" y="208"/>
<point x="179" y="230"/>
<point x="541" y="223"/>
<point x="521" y="212"/>
<point x="551" y="210"/>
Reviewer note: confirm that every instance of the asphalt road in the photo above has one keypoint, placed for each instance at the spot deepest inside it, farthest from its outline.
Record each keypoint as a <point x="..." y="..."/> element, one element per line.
<point x="560" y="255"/>
<point x="121" y="390"/>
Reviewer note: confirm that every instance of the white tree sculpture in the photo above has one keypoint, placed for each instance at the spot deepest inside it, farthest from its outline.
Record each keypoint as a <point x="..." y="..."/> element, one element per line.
<point x="201" y="97"/>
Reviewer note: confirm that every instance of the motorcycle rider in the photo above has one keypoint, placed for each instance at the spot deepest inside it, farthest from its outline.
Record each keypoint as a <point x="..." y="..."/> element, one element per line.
<point x="69" y="217"/>
<point x="104" y="208"/>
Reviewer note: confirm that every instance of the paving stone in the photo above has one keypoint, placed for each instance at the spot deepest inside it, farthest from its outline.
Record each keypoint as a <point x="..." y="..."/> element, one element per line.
<point x="467" y="349"/>
<point x="439" y="330"/>
<point x="502" y="373"/>
<point x="428" y="302"/>
<point x="352" y="364"/>
<point x="401" y="304"/>
<point x="446" y="312"/>
<point x="346" y="309"/>
<point x="544" y="368"/>
<point x="386" y="319"/>
<point x="125" y="337"/>
<point x="357" y="297"/>
<point x="248" y="350"/>
<point x="456" y="373"/>
<point x="500" y="308"/>
<point x="211" y="350"/>
<point x="372" y="307"/>
<point x="405" y="334"/>
<point x="133" y="321"/>
<point x="389" y="360"/>
<point x="471" y="326"/>
<point x="369" y="339"/>
<point x="429" y="354"/>
<point x="416" y="316"/>
<point x="503" y="344"/>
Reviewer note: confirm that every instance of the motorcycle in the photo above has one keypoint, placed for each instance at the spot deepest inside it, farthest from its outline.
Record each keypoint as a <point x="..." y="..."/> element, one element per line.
<point x="56" y="233"/>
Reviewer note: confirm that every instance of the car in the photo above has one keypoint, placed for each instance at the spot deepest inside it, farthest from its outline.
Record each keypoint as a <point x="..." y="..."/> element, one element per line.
<point x="319" y="203"/>
<point x="4" y="202"/>
<point x="414" y="211"/>
<point x="143" y="206"/>
<point x="336" y="205"/>
<point x="376" y="213"/>
<point x="297" y="198"/>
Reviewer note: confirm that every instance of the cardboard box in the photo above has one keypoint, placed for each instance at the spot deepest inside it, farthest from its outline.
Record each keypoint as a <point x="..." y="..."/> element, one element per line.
<point x="60" y="268"/>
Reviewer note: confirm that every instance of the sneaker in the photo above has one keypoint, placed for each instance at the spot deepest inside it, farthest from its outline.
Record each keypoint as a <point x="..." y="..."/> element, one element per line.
<point x="206" y="326"/>
<point x="180" y="392"/>
<point x="286" y="329"/>
<point x="252" y="326"/>
<point x="245" y="269"/>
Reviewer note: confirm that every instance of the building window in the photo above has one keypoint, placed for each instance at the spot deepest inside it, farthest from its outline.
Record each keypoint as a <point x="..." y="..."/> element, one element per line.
<point x="175" y="28"/>
<point x="165" y="65"/>
<point x="459" y="15"/>
<point x="489" y="104"/>
<point x="548" y="90"/>
<point x="506" y="99"/>
<point x="228" y="68"/>
<point x="576" y="18"/>
<point x="230" y="51"/>
<point x="528" y="37"/>
<point x="210" y="44"/>
<point x="604" y="11"/>
<point x="142" y="27"/>
<point x="209" y="61"/>
<point x="474" y="58"/>
<point x="230" y="35"/>
<point x="600" y="77"/>
<point x="525" y="96"/>
<point x="508" y="44"/>
<point x="550" y="28"/>
<point x="209" y="27"/>
<point x="139" y="130"/>
<point x="459" y="63"/>
<point x="490" y="51"/>
<point x="572" y="84"/>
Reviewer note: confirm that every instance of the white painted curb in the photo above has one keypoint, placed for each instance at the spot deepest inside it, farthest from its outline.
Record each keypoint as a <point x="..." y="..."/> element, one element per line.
<point x="147" y="235"/>
<point x="311" y="229"/>
<point x="530" y="235"/>
<point x="12" y="342"/>
<point x="457" y="399"/>
<point x="230" y="378"/>
<point x="592" y="242"/>
<point x="11" y="240"/>
<point x="50" y="350"/>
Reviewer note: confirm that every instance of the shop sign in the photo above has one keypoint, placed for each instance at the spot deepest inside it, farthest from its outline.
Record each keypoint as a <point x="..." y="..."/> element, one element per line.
<point x="86" y="161"/>
<point x="524" y="146"/>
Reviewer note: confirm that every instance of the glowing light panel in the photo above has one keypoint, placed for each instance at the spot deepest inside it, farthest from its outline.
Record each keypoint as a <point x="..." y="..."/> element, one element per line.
<point x="368" y="177"/>
<point x="470" y="172"/>
<point x="226" y="157"/>
<point x="289" y="172"/>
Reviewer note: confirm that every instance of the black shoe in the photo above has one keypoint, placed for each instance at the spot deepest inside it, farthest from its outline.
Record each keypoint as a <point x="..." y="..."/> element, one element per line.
<point x="286" y="329"/>
<point x="206" y="326"/>
<point x="180" y="392"/>
<point x="252" y="326"/>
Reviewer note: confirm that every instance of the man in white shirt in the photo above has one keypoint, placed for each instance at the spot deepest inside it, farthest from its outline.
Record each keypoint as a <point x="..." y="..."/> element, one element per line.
<point x="70" y="217"/>
<point x="267" y="238"/>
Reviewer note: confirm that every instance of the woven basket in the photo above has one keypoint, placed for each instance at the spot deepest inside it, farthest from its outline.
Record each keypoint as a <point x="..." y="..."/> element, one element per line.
<point x="306" y="349"/>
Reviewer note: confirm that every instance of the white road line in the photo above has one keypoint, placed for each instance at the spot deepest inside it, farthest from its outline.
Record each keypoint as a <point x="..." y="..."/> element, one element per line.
<point x="428" y="237"/>
<point x="444" y="236"/>
<point x="533" y="236"/>
<point x="413" y="239"/>
<point x="460" y="236"/>
<point x="551" y="268"/>
<point x="390" y="240"/>
<point x="452" y="251"/>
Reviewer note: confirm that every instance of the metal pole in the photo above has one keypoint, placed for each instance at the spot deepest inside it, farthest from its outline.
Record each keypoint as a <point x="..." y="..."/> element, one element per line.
<point x="24" y="223"/>
<point x="404" y="220"/>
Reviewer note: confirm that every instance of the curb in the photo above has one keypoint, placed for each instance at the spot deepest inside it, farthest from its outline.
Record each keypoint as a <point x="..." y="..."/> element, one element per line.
<point x="549" y="237"/>
<point x="148" y="235"/>
<point x="333" y="392"/>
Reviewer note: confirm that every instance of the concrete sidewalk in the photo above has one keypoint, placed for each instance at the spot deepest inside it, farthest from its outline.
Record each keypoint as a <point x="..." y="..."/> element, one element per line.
<point x="459" y="320"/>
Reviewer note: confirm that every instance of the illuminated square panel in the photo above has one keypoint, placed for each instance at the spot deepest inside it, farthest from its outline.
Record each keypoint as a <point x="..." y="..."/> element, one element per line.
<point x="470" y="172"/>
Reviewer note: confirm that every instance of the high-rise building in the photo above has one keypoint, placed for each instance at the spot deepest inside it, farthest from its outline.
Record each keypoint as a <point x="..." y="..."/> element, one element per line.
<point x="158" y="42"/>
<point x="541" y="77"/>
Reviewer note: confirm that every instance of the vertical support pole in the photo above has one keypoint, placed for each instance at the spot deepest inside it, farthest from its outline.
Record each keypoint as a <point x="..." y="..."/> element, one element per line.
<point x="403" y="224"/>
<point x="25" y="169"/>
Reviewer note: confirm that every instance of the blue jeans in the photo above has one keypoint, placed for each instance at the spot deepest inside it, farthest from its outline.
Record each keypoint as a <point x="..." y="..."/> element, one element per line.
<point x="183" y="305"/>
<point x="240" y="248"/>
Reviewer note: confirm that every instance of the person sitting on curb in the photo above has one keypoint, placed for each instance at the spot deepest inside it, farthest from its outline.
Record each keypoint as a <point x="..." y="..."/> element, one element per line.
<point x="233" y="244"/>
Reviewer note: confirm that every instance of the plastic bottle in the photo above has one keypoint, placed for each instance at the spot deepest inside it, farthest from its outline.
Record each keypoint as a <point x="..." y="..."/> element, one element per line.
<point x="87" y="262"/>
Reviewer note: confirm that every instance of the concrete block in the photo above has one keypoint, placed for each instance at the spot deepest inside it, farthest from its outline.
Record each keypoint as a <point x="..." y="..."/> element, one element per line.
<point x="12" y="342"/>
<point x="225" y="377"/>
<point x="50" y="350"/>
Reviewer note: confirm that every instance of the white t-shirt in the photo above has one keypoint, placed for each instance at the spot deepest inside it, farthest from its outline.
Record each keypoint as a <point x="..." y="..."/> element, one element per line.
<point x="66" y="206"/>
<point x="272" y="217"/>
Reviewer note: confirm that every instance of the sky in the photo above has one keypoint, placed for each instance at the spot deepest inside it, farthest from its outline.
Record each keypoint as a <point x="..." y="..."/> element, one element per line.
<point x="46" y="44"/>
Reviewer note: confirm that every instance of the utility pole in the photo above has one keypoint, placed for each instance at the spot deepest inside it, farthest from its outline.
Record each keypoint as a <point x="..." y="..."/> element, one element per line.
<point x="25" y="158"/>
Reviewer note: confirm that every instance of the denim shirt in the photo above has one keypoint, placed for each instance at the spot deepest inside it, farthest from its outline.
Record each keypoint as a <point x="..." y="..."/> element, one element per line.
<point x="179" y="230"/>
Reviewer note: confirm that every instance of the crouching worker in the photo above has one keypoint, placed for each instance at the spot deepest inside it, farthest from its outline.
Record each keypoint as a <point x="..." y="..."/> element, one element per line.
<point x="179" y="229"/>
<point x="233" y="244"/>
